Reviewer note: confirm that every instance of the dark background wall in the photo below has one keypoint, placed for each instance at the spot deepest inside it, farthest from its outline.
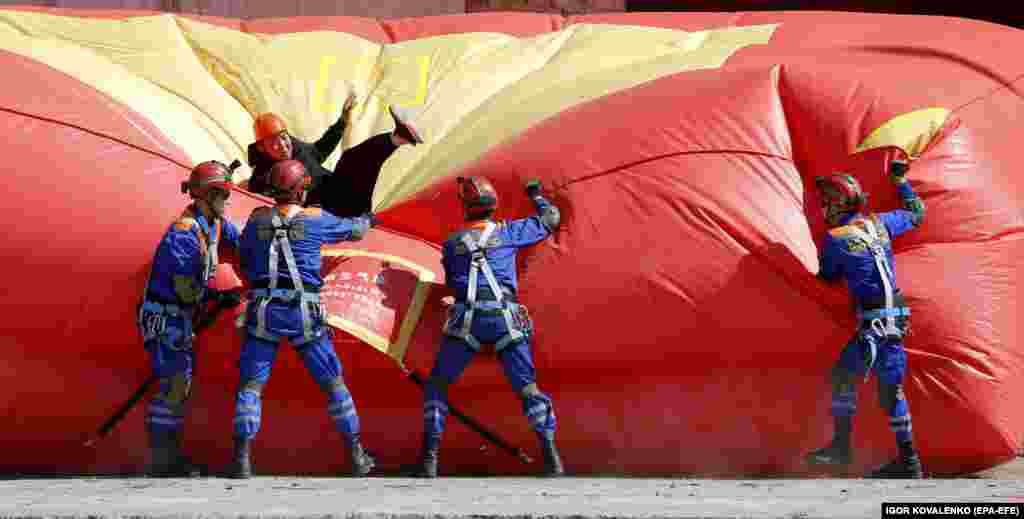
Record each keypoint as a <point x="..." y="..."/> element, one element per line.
<point x="270" y="8"/>
<point x="1009" y="12"/>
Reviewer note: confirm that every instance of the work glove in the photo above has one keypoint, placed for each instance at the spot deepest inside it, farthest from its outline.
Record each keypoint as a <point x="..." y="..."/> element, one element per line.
<point x="533" y="188"/>
<point x="898" y="171"/>
<point x="229" y="299"/>
<point x="374" y="220"/>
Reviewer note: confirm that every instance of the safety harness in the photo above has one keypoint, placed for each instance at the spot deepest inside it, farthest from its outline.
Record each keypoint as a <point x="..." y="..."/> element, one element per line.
<point x="279" y="231"/>
<point x="882" y="320"/>
<point x="152" y="315"/>
<point x="478" y="263"/>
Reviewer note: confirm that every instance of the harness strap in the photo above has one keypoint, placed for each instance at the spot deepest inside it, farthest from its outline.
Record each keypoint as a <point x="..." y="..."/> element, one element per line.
<point x="478" y="263"/>
<point x="266" y="295"/>
<point x="885" y="323"/>
<point x="167" y="309"/>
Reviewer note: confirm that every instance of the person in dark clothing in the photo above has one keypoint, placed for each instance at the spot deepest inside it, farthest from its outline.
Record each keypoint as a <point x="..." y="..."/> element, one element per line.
<point x="348" y="190"/>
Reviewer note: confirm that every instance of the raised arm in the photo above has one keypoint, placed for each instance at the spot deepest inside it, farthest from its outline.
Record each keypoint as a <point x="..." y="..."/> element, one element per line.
<point x="330" y="139"/>
<point x="912" y="214"/>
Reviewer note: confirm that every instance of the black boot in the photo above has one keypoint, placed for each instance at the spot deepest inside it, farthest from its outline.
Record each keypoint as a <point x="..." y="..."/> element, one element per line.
<point x="160" y="453"/>
<point x="428" y="457"/>
<point x="241" y="466"/>
<point x="906" y="466"/>
<point x="404" y="127"/>
<point x="362" y="461"/>
<point x="837" y="453"/>
<point x="181" y="466"/>
<point x="552" y="461"/>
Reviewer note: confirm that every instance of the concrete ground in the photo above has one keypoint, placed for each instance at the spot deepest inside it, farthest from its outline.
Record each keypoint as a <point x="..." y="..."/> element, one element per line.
<point x="577" y="498"/>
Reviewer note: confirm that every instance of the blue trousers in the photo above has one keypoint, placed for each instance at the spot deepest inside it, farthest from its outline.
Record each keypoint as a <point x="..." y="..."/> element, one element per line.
<point x="890" y="365"/>
<point x="172" y="360"/>
<point x="517" y="362"/>
<point x="319" y="357"/>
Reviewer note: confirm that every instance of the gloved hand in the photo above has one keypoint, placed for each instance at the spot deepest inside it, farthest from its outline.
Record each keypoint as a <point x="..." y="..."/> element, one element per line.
<point x="229" y="299"/>
<point x="898" y="171"/>
<point x="533" y="187"/>
<point x="374" y="221"/>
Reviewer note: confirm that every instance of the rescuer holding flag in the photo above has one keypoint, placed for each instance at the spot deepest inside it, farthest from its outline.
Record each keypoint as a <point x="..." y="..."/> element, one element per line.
<point x="346" y="192"/>
<point x="280" y="254"/>
<point x="858" y="247"/>
<point x="480" y="265"/>
<point x="185" y="260"/>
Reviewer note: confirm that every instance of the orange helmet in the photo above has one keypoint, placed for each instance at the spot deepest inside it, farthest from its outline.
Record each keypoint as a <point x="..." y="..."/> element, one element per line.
<point x="267" y="125"/>
<point x="288" y="180"/>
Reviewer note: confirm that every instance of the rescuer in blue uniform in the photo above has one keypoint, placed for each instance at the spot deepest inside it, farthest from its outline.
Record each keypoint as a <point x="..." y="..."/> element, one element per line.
<point x="480" y="265"/>
<point x="185" y="260"/>
<point x="280" y="255"/>
<point x="858" y="247"/>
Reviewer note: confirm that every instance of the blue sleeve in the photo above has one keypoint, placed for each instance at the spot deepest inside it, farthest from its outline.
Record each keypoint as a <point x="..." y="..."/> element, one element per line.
<point x="527" y="231"/>
<point x="186" y="258"/>
<point x="897" y="222"/>
<point x="182" y="262"/>
<point x="230" y="235"/>
<point x="337" y="230"/>
<point x="902" y="220"/>
<point x="831" y="264"/>
<point x="245" y="245"/>
<point x="446" y="254"/>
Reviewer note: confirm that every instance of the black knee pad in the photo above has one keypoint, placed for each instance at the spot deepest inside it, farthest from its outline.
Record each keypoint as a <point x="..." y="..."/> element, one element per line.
<point x="842" y="380"/>
<point x="889" y="395"/>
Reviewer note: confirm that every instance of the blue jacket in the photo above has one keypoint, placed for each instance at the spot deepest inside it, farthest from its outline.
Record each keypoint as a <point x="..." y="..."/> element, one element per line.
<point x="179" y="274"/>
<point x="310" y="229"/>
<point x="845" y="256"/>
<point x="505" y="242"/>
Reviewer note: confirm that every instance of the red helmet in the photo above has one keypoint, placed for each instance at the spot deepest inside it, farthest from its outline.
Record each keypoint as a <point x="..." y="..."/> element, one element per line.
<point x="840" y="195"/>
<point x="206" y="176"/>
<point x="288" y="180"/>
<point x="477" y="194"/>
<point x="268" y="125"/>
